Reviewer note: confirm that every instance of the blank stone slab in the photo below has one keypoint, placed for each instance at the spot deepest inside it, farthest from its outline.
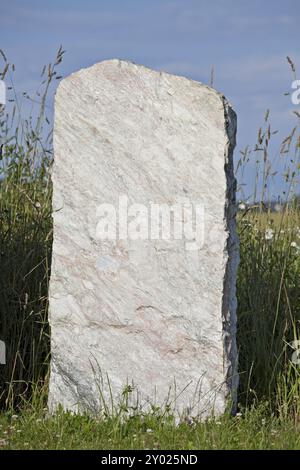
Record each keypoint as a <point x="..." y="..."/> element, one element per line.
<point x="153" y="316"/>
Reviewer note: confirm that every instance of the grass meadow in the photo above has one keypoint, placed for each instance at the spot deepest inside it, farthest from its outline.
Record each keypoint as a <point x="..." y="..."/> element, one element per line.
<point x="268" y="293"/>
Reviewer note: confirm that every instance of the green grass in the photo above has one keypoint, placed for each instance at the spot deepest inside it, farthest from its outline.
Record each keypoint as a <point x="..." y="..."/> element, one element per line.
<point x="256" y="429"/>
<point x="268" y="306"/>
<point x="269" y="309"/>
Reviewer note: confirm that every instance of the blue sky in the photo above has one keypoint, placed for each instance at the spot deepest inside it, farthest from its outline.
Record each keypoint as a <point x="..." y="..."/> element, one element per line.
<point x="246" y="42"/>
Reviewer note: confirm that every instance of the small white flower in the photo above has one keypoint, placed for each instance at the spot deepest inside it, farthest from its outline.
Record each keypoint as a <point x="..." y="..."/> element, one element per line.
<point x="242" y="206"/>
<point x="277" y="207"/>
<point x="269" y="234"/>
<point x="246" y="223"/>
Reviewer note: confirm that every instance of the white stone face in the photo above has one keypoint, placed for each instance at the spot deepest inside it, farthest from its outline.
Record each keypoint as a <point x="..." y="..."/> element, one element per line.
<point x="157" y="314"/>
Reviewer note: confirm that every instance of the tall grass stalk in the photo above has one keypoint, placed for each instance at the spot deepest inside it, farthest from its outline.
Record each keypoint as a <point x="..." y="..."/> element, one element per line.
<point x="25" y="236"/>
<point x="269" y="274"/>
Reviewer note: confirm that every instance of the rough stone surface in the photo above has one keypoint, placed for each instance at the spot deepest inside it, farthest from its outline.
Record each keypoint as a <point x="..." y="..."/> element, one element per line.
<point x="152" y="314"/>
